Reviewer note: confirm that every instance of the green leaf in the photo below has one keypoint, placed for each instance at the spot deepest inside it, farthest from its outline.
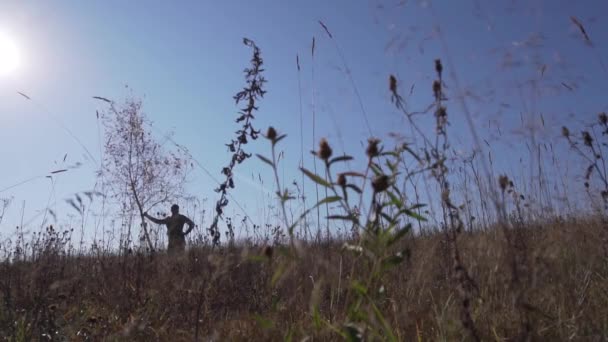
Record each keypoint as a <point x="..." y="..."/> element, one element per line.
<point x="411" y="152"/>
<point x="359" y="288"/>
<point x="278" y="273"/>
<point x="392" y="261"/>
<point x="285" y="196"/>
<point x="316" y="317"/>
<point x="340" y="159"/>
<point x="412" y="214"/>
<point x="355" y="188"/>
<point x="316" y="178"/>
<point x="390" y="336"/>
<point x="387" y="218"/>
<point x="341" y="217"/>
<point x="353" y="174"/>
<point x="417" y="206"/>
<point x="390" y="153"/>
<point x="289" y="335"/>
<point x="376" y="169"/>
<point x="395" y="200"/>
<point x="329" y="199"/>
<point x="265" y="160"/>
<point x="279" y="138"/>
<point x="399" y="235"/>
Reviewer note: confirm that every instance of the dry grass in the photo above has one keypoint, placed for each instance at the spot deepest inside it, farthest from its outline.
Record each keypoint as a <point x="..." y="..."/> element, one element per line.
<point x="232" y="297"/>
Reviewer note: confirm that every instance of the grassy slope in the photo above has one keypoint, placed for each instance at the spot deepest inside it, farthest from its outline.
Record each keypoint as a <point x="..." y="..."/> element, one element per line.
<point x="138" y="297"/>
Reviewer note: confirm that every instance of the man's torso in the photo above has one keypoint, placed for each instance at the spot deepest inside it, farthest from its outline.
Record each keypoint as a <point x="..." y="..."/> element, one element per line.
<point x="175" y="226"/>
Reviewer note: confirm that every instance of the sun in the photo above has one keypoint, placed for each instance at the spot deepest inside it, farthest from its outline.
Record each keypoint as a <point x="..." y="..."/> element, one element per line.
<point x="9" y="55"/>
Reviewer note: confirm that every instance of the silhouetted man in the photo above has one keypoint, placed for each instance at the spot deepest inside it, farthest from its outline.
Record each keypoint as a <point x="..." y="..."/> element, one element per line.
<point x="175" y="226"/>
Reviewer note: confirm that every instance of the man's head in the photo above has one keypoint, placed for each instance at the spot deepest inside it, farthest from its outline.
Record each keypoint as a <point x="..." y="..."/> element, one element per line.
<point x="175" y="209"/>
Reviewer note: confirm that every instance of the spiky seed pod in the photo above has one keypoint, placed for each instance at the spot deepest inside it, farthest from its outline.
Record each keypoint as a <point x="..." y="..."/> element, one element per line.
<point x="271" y="134"/>
<point x="587" y="139"/>
<point x="503" y="182"/>
<point x="341" y="180"/>
<point x="372" y="148"/>
<point x="380" y="183"/>
<point x="324" y="150"/>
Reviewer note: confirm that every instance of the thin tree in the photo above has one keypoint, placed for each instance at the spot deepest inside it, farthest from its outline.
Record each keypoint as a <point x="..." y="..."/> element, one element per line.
<point x="140" y="172"/>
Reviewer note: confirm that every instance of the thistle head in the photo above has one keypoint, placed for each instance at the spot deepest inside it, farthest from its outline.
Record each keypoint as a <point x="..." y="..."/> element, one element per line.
<point x="324" y="150"/>
<point x="587" y="139"/>
<point x="503" y="182"/>
<point x="372" y="148"/>
<point x="271" y="134"/>
<point x="380" y="183"/>
<point x="341" y="180"/>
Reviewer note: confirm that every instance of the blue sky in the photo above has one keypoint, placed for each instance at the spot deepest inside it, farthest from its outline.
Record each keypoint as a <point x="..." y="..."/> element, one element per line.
<point x="185" y="59"/>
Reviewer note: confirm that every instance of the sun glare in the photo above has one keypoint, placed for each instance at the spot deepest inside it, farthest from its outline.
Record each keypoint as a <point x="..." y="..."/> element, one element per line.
<point x="9" y="55"/>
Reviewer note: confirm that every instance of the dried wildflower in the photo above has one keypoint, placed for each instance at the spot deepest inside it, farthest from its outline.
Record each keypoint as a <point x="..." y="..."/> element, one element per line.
<point x="603" y="118"/>
<point x="392" y="84"/>
<point x="372" y="148"/>
<point x="380" y="183"/>
<point x="587" y="139"/>
<point x="271" y="134"/>
<point x="341" y="180"/>
<point x="565" y="132"/>
<point x="503" y="182"/>
<point x="442" y="118"/>
<point x="437" y="89"/>
<point x="438" y="67"/>
<point x="324" y="150"/>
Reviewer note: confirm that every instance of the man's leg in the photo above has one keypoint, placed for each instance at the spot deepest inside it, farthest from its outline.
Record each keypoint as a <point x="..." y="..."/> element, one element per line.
<point x="176" y="245"/>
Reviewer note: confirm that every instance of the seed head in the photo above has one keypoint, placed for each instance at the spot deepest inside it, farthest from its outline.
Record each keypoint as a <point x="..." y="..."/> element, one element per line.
<point x="437" y="89"/>
<point x="438" y="67"/>
<point x="565" y="132"/>
<point x="503" y="182"/>
<point x="392" y="84"/>
<point x="271" y="134"/>
<point x="324" y="150"/>
<point x="380" y="183"/>
<point x="442" y="119"/>
<point x="372" y="148"/>
<point x="587" y="139"/>
<point x="603" y="118"/>
<point x="341" y="180"/>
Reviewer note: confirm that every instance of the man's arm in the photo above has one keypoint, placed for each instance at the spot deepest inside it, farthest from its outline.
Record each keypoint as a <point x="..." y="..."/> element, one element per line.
<point x="155" y="220"/>
<point x="190" y="225"/>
